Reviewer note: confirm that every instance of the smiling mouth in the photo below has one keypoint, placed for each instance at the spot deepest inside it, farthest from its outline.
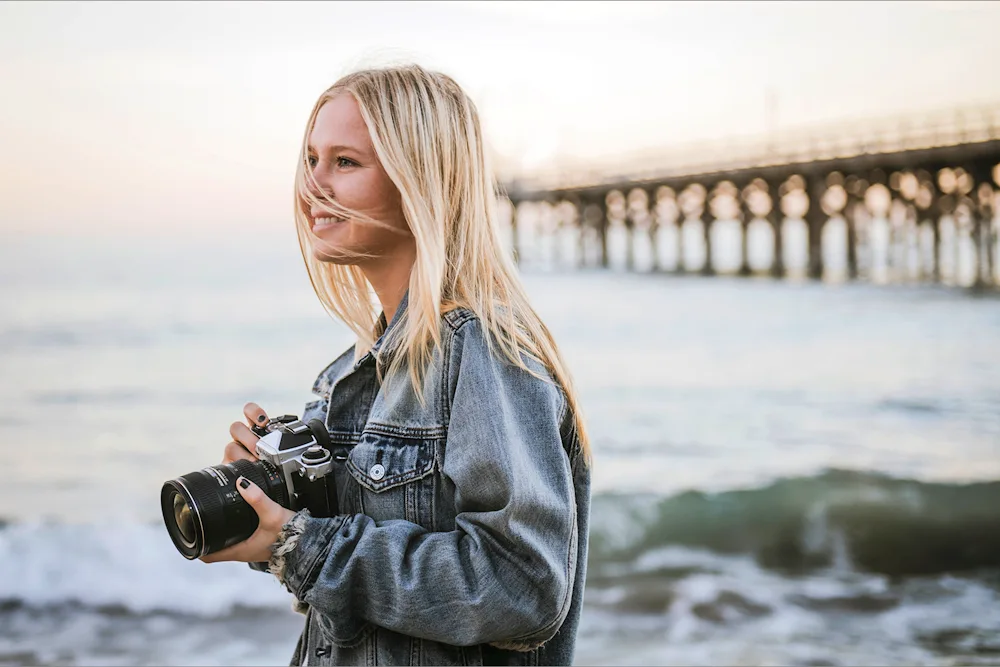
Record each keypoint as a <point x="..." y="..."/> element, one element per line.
<point x="327" y="222"/>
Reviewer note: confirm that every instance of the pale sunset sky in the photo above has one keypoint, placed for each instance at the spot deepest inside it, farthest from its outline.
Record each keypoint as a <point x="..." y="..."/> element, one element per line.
<point x="141" y="117"/>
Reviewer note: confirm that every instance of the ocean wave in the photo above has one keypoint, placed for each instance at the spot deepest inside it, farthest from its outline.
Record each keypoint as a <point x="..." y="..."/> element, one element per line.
<point x="643" y="547"/>
<point x="130" y="567"/>
<point x="846" y="519"/>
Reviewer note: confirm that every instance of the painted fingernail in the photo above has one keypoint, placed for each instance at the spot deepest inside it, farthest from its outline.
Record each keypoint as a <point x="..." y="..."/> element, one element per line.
<point x="245" y="483"/>
<point x="262" y="418"/>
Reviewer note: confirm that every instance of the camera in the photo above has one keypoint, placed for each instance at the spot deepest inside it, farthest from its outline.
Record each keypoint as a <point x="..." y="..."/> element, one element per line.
<point x="204" y="512"/>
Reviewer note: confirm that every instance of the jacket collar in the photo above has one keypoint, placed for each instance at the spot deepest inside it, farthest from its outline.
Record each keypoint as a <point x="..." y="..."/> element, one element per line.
<point x="387" y="342"/>
<point x="327" y="379"/>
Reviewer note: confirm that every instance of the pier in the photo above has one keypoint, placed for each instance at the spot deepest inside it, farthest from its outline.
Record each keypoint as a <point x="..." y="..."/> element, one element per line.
<point x="886" y="200"/>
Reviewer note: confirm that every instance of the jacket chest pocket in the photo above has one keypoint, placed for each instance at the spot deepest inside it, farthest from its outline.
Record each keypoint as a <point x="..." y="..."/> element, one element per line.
<point x="394" y="476"/>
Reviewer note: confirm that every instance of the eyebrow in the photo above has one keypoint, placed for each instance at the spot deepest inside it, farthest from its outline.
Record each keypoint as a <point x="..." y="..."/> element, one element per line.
<point x="334" y="149"/>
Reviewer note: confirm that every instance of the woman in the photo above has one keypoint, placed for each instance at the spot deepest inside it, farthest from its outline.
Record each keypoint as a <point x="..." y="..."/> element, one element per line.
<point x="465" y="483"/>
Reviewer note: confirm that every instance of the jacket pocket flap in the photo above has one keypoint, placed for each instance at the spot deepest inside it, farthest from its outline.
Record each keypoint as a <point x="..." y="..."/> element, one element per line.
<point x="379" y="462"/>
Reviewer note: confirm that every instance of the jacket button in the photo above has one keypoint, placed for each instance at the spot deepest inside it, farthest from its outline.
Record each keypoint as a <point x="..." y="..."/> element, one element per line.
<point x="377" y="472"/>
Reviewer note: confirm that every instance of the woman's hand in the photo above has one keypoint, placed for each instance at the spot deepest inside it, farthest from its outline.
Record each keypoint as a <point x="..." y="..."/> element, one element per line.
<point x="244" y="444"/>
<point x="272" y="516"/>
<point x="257" y="547"/>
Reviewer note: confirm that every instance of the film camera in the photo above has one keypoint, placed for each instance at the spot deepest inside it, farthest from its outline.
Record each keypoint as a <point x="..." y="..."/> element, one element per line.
<point x="204" y="512"/>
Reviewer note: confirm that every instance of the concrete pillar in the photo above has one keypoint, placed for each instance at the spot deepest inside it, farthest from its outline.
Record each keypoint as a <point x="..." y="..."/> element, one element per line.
<point x="815" y="218"/>
<point x="850" y="210"/>
<point x="681" y="218"/>
<point x="654" y="226"/>
<point x="745" y="228"/>
<point x="581" y="237"/>
<point x="629" y="224"/>
<point x="603" y="233"/>
<point x="944" y="204"/>
<point x="982" y="224"/>
<point x="706" y="221"/>
<point x="590" y="221"/>
<point x="977" y="243"/>
<point x="989" y="240"/>
<point x="515" y="246"/>
<point x="936" y="211"/>
<point x="776" y="217"/>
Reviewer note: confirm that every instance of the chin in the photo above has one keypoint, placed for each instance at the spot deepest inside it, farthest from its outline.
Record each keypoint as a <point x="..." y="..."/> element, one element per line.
<point x="329" y="255"/>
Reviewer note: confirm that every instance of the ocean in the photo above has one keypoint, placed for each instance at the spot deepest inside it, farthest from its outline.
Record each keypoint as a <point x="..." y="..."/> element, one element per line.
<point x="786" y="473"/>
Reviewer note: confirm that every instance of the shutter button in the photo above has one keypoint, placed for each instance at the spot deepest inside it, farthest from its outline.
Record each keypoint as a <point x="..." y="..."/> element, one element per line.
<point x="377" y="472"/>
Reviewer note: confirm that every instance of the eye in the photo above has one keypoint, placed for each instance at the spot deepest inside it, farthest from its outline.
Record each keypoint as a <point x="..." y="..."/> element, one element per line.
<point x="311" y="160"/>
<point x="346" y="162"/>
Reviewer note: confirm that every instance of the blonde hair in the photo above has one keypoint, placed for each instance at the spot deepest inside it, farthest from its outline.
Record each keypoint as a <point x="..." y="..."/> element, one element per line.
<point x="426" y="133"/>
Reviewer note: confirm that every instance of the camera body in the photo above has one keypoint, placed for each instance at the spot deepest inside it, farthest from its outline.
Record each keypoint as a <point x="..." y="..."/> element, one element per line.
<point x="204" y="512"/>
<point x="301" y="454"/>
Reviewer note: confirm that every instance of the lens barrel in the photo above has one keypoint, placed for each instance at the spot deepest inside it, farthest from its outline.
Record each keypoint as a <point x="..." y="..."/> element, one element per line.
<point x="204" y="512"/>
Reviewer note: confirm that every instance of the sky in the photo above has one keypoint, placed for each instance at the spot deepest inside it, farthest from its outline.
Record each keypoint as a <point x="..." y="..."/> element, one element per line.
<point x="165" y="117"/>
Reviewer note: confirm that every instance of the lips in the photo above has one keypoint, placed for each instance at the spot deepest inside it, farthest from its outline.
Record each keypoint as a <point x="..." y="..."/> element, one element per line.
<point x="319" y="223"/>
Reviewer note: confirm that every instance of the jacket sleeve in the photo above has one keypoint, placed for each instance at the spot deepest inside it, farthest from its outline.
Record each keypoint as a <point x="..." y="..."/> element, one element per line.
<point x="505" y="574"/>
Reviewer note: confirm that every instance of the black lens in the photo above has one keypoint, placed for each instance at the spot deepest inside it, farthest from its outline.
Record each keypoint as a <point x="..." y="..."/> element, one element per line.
<point x="204" y="512"/>
<point x="183" y="519"/>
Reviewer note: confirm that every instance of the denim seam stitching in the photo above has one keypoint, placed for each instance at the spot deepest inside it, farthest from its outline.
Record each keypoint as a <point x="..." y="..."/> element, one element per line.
<point x="313" y="571"/>
<point x="521" y="643"/>
<point x="386" y="483"/>
<point x="408" y="432"/>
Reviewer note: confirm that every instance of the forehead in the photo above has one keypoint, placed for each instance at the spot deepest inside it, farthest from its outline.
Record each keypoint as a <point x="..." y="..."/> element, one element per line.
<point x="339" y="123"/>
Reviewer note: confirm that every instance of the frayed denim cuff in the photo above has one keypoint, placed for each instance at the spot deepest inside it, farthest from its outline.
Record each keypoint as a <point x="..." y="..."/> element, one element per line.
<point x="300" y="551"/>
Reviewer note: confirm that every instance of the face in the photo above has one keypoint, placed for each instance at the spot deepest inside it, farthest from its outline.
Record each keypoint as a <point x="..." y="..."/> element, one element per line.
<point x="346" y="168"/>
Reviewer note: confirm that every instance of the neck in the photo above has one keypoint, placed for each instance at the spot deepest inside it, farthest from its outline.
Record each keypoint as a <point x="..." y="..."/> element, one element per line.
<point x="390" y="278"/>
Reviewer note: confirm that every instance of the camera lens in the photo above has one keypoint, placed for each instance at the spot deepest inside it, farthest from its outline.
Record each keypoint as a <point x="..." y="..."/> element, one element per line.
<point x="183" y="519"/>
<point x="204" y="512"/>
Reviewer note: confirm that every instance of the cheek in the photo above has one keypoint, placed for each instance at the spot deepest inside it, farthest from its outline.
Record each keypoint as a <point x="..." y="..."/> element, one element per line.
<point x="390" y="202"/>
<point x="376" y="196"/>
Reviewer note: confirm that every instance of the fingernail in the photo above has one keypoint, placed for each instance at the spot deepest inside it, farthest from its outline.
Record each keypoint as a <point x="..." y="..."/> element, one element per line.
<point x="261" y="418"/>
<point x="245" y="483"/>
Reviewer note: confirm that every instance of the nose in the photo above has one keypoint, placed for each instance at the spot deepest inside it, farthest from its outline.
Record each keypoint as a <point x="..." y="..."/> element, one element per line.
<point x="313" y="183"/>
<point x="318" y="180"/>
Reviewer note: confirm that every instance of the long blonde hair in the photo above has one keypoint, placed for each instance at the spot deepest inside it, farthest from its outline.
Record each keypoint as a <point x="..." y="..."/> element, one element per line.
<point x="426" y="133"/>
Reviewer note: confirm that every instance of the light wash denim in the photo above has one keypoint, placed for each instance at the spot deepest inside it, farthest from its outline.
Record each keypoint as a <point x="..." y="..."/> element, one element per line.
<point x="464" y="525"/>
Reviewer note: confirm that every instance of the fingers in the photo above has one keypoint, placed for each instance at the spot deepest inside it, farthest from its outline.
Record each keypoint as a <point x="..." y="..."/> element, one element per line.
<point x="234" y="451"/>
<point x="254" y="549"/>
<point x="257" y="547"/>
<point x="244" y="445"/>
<point x="236" y="552"/>
<point x="255" y="414"/>
<point x="269" y="512"/>
<point x="242" y="434"/>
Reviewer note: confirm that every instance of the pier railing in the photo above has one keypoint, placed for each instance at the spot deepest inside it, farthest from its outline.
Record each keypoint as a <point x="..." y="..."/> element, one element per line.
<point x="913" y="171"/>
<point x="855" y="137"/>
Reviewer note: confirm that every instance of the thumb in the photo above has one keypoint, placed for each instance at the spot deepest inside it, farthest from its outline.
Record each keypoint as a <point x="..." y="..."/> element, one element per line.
<point x="256" y="498"/>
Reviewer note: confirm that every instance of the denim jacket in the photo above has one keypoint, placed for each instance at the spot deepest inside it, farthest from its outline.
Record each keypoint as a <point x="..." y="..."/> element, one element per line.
<point x="464" y="525"/>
